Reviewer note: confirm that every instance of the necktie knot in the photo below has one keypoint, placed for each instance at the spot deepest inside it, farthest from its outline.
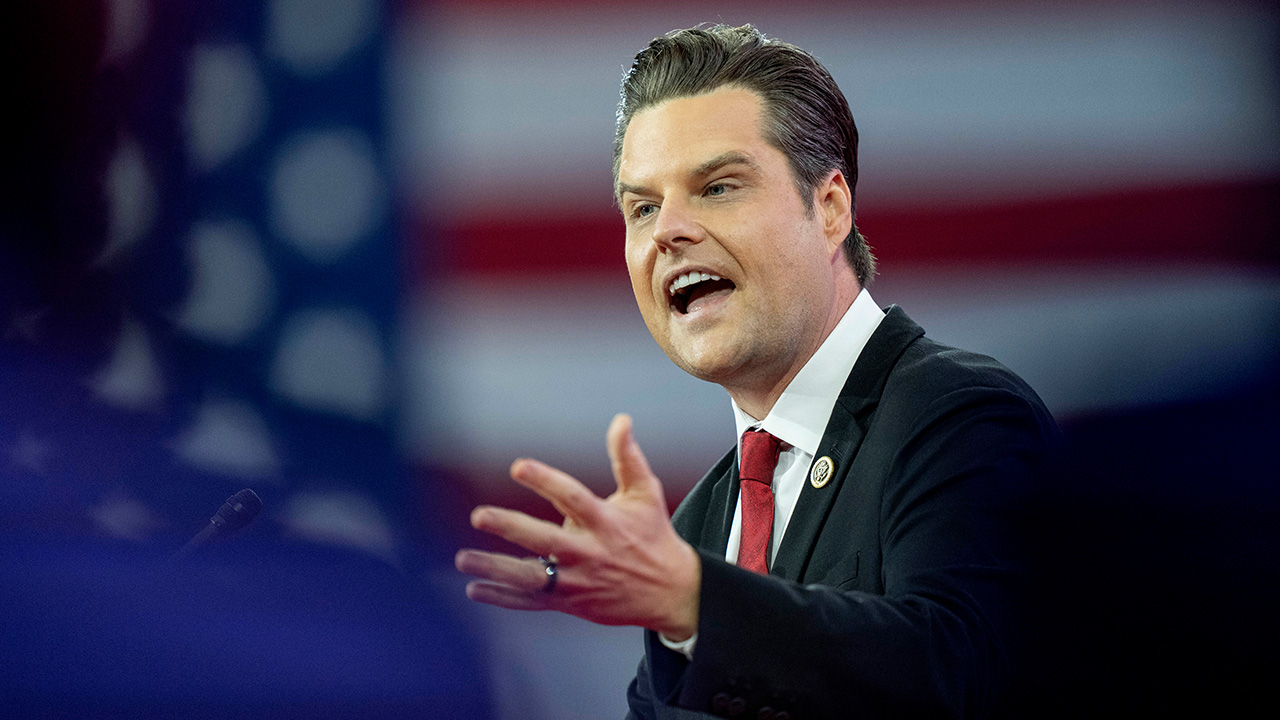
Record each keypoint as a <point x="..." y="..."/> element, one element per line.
<point x="759" y="456"/>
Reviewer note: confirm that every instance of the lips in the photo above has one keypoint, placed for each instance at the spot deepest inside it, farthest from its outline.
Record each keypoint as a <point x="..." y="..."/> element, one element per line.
<point x="691" y="290"/>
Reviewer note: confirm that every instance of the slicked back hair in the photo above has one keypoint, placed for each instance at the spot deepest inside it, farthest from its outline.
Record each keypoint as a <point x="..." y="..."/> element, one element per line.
<point x="805" y="115"/>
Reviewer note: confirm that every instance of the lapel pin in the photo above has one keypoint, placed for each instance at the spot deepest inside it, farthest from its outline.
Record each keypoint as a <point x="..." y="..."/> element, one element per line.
<point x="821" y="473"/>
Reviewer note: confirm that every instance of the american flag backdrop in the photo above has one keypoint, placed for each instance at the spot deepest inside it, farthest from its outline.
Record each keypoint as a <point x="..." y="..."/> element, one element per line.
<point x="360" y="255"/>
<point x="200" y="278"/>
<point x="209" y="287"/>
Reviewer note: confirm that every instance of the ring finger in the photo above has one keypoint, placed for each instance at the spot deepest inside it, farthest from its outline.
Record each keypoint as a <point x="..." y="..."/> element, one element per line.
<point x="527" y="574"/>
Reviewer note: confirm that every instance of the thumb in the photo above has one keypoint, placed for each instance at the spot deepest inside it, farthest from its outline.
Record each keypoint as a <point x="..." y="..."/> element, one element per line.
<point x="630" y="468"/>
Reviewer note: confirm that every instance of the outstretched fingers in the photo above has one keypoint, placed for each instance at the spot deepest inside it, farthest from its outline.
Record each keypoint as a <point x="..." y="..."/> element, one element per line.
<point x="508" y="597"/>
<point x="618" y="561"/>
<point x="540" y="536"/>
<point x="630" y="467"/>
<point x="519" y="575"/>
<point x="571" y="498"/>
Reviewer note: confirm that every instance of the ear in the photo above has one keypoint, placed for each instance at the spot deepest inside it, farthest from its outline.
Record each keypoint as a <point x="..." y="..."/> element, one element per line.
<point x="834" y="203"/>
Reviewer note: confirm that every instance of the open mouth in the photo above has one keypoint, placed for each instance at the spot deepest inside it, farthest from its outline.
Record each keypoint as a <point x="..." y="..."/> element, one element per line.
<point x="693" y="289"/>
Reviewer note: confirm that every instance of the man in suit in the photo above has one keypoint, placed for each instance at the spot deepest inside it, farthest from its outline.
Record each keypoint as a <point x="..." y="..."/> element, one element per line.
<point x="858" y="553"/>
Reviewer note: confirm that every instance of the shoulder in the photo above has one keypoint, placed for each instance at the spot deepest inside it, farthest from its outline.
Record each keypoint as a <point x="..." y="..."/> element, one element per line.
<point x="928" y="368"/>
<point x="930" y="380"/>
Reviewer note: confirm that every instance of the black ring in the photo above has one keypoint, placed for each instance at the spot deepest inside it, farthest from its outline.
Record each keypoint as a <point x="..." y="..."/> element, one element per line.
<point x="550" y="567"/>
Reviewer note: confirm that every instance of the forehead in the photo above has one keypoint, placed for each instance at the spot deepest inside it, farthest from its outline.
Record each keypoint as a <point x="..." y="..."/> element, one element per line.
<point x="677" y="135"/>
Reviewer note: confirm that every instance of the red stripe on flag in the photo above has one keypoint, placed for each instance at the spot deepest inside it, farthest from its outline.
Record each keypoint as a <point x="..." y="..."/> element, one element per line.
<point x="1228" y="222"/>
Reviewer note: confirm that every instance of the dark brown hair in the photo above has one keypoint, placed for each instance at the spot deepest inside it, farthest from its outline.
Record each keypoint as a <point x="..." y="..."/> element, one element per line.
<point x="806" y="115"/>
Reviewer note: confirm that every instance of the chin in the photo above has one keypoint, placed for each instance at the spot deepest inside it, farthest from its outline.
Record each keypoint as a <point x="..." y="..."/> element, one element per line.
<point x="709" y="367"/>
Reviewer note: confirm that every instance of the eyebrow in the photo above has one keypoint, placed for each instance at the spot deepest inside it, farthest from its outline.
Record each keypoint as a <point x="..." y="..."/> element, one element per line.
<point x="732" y="157"/>
<point x="723" y="160"/>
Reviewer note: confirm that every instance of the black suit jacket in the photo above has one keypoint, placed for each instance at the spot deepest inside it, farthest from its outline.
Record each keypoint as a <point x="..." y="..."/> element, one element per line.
<point x="895" y="591"/>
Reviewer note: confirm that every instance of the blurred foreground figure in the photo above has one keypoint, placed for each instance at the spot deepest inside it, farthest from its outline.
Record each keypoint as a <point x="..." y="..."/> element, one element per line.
<point x="128" y="412"/>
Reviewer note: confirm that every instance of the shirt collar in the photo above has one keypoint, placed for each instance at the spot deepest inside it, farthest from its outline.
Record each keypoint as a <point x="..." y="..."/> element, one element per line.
<point x="799" y="417"/>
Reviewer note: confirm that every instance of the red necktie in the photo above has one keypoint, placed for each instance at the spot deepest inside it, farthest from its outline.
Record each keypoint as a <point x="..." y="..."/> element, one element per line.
<point x="755" y="468"/>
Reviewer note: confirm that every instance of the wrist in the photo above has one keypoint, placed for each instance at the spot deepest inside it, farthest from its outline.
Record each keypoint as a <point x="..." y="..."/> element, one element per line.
<point x="682" y="621"/>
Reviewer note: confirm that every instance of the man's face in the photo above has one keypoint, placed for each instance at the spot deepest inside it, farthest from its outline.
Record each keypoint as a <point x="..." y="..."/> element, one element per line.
<point x="705" y="196"/>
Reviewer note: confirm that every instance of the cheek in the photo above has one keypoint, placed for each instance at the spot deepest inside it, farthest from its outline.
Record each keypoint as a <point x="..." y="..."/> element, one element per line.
<point x="640" y="270"/>
<point x="644" y="298"/>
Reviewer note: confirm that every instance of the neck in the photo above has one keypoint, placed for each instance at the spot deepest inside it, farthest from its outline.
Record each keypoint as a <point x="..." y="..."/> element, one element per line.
<point x="758" y="398"/>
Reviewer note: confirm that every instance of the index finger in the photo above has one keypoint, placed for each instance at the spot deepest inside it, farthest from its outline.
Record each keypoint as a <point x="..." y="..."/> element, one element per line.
<point x="573" y="499"/>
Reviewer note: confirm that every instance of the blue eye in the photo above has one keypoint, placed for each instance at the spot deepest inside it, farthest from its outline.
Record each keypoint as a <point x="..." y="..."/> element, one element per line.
<point x="715" y="190"/>
<point x="645" y="209"/>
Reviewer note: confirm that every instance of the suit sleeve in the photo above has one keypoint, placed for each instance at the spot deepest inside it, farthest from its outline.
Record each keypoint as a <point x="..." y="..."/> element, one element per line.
<point x="941" y="641"/>
<point x="639" y="695"/>
<point x="642" y="702"/>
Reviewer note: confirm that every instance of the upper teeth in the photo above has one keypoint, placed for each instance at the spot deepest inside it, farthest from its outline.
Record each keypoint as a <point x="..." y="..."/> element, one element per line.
<point x="688" y="279"/>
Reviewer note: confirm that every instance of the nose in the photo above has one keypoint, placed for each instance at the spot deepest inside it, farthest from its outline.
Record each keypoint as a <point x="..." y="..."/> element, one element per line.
<point x="676" y="225"/>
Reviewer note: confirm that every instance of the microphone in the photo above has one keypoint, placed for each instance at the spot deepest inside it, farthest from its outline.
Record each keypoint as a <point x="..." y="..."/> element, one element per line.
<point x="238" y="511"/>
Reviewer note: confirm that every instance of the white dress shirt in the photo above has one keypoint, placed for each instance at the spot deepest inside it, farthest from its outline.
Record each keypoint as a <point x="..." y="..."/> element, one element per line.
<point x="798" y="419"/>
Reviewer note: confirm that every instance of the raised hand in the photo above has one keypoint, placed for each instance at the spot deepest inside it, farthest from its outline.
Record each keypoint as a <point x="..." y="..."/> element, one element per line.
<point x="618" y="559"/>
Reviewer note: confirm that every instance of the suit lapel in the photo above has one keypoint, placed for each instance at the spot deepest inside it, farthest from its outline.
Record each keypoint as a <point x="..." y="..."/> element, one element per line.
<point x="840" y="441"/>
<point x="704" y="518"/>
<point x="715" y="538"/>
